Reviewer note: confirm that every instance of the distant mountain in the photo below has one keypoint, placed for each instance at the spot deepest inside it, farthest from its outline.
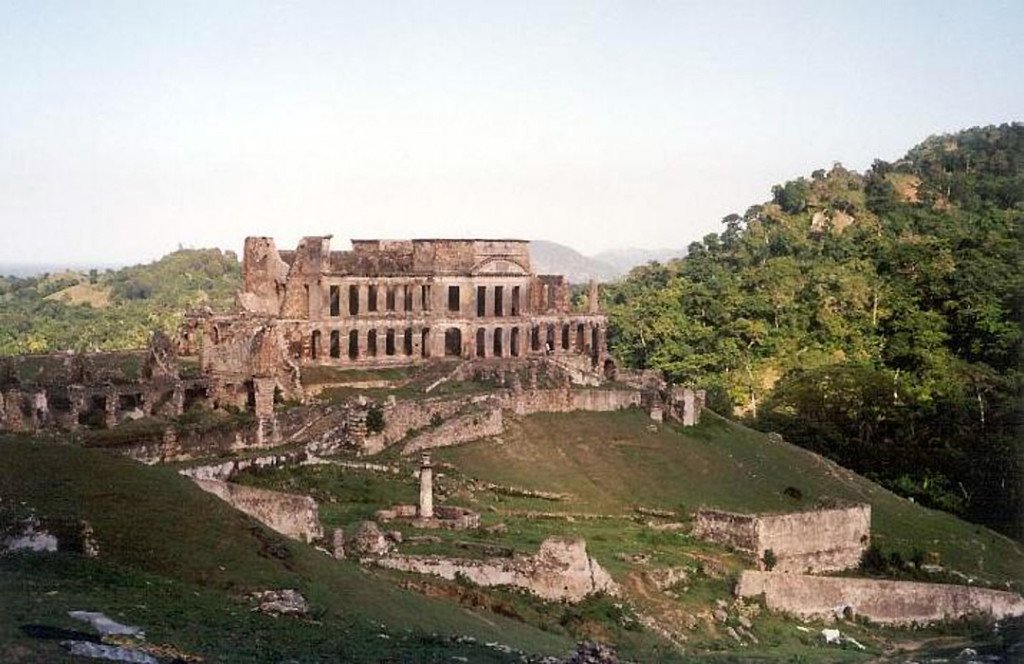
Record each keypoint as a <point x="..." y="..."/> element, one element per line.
<point x="625" y="259"/>
<point x="553" y="258"/>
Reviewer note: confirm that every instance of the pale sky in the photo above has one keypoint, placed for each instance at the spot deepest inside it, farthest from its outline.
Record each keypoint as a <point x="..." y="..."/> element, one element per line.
<point x="127" y="128"/>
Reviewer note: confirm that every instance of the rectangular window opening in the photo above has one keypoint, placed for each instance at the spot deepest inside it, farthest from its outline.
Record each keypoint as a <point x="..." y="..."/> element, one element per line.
<point x="353" y="300"/>
<point x="335" y="301"/>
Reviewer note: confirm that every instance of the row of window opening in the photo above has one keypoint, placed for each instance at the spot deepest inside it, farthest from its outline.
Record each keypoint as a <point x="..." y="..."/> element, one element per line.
<point x="375" y="346"/>
<point x="391" y="296"/>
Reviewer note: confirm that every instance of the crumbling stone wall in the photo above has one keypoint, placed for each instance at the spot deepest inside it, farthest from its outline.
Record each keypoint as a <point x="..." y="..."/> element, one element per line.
<point x="881" y="601"/>
<point x="473" y="425"/>
<point x="567" y="400"/>
<point x="294" y="516"/>
<point x="70" y="390"/>
<point x="813" y="541"/>
<point x="561" y="570"/>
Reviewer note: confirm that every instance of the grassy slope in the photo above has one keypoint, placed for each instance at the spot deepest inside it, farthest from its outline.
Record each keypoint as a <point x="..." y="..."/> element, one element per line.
<point x="612" y="461"/>
<point x="177" y="560"/>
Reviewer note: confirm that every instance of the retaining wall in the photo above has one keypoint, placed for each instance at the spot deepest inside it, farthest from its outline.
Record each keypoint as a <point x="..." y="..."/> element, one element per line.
<point x="889" y="602"/>
<point x="812" y="541"/>
<point x="291" y="515"/>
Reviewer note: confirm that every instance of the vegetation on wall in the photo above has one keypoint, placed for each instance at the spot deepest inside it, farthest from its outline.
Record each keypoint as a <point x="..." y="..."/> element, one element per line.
<point x="876" y="318"/>
<point x="114" y="310"/>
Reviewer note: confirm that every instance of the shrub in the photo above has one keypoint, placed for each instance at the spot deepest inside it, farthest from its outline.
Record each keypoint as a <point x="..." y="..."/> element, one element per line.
<point x="769" y="559"/>
<point x="375" y="419"/>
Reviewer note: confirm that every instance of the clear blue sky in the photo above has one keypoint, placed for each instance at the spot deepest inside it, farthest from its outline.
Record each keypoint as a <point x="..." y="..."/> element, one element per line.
<point x="129" y="127"/>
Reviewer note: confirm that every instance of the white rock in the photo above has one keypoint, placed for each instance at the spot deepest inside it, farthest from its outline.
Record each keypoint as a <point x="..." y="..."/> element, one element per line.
<point x="831" y="635"/>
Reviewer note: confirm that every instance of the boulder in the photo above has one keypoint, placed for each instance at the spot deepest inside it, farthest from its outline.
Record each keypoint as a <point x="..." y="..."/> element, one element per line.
<point x="287" y="602"/>
<point x="370" y="541"/>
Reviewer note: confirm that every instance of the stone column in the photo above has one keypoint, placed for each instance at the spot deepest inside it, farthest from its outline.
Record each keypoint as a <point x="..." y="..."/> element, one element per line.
<point x="266" y="421"/>
<point x="110" y="409"/>
<point x="361" y="335"/>
<point x="364" y="298"/>
<point x="76" y="397"/>
<point x="689" y="418"/>
<point x="417" y="339"/>
<point x="488" y="342"/>
<point x="426" y="488"/>
<point x="593" y="305"/>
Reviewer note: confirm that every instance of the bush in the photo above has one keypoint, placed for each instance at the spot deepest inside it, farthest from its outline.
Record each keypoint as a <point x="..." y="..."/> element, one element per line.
<point x="769" y="559"/>
<point x="375" y="419"/>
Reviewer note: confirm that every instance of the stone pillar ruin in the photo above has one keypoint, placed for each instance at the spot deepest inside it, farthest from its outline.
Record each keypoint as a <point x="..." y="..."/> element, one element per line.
<point x="592" y="301"/>
<point x="76" y="397"/>
<point x="266" y="422"/>
<point x="110" y="408"/>
<point x="426" y="488"/>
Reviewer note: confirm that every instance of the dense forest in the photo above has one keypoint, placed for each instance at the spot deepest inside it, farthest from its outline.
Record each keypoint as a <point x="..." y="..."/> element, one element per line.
<point x="112" y="310"/>
<point x="875" y="318"/>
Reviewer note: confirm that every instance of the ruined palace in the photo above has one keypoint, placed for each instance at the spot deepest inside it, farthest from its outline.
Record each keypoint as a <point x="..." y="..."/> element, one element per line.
<point x="389" y="302"/>
<point x="392" y="302"/>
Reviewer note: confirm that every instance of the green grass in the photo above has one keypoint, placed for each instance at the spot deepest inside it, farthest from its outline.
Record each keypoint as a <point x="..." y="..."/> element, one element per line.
<point x="177" y="561"/>
<point x="611" y="462"/>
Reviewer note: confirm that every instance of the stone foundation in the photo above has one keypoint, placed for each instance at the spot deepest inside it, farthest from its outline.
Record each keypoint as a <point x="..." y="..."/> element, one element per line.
<point x="560" y="571"/>
<point x="813" y="541"/>
<point x="880" y="601"/>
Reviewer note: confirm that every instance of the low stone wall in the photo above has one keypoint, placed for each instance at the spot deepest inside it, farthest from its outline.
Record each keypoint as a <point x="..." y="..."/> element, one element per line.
<point x="470" y="426"/>
<point x="560" y="571"/>
<point x="404" y="416"/>
<point x="291" y="515"/>
<point x="813" y="541"/>
<point x="732" y="529"/>
<point x="568" y="400"/>
<point x="889" y="602"/>
<point x="226" y="470"/>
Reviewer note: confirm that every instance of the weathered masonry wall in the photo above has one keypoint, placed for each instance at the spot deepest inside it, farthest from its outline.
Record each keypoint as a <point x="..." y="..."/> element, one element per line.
<point x="291" y="515"/>
<point x="889" y="602"/>
<point x="474" y="425"/>
<point x="396" y="302"/>
<point x="561" y="570"/>
<point x="813" y="541"/>
<point x="569" y="400"/>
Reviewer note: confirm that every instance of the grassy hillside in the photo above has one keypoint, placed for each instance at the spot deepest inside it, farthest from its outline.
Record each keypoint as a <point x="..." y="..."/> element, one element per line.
<point x="611" y="462"/>
<point x="178" y="561"/>
<point x="599" y="475"/>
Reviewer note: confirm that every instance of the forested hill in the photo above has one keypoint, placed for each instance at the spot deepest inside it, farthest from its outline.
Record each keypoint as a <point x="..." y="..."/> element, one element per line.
<point x="112" y="310"/>
<point x="876" y="318"/>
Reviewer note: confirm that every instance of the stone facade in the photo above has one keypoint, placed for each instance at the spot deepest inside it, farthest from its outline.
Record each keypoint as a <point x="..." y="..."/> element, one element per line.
<point x="395" y="302"/>
<point x="881" y="601"/>
<point x="813" y="541"/>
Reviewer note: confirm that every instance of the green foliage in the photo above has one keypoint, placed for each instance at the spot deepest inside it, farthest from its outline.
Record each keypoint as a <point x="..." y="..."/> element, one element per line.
<point x="141" y="298"/>
<point x="375" y="419"/>
<point x="874" y="318"/>
<point x="769" y="559"/>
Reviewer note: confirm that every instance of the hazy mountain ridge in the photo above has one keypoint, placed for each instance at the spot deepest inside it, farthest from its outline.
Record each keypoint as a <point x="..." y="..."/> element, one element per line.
<point x="554" y="258"/>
